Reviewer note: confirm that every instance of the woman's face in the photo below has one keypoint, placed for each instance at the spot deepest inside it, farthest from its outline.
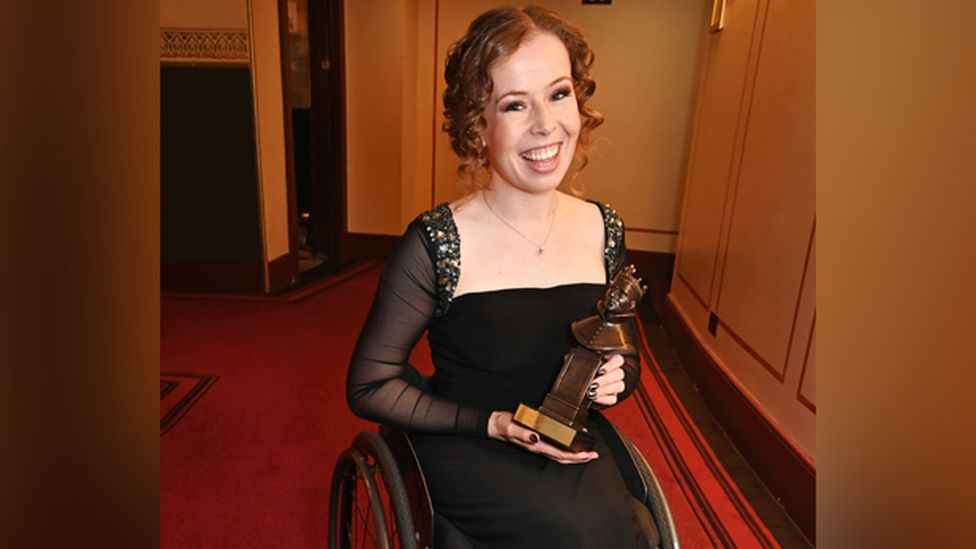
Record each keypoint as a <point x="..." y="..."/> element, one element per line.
<point x="532" y="117"/>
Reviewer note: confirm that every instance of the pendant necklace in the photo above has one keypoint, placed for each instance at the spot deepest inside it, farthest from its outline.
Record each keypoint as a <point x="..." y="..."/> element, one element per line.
<point x="540" y="247"/>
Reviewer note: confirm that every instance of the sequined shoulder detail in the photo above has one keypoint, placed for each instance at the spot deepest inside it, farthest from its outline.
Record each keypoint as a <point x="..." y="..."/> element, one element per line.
<point x="614" y="247"/>
<point x="444" y="246"/>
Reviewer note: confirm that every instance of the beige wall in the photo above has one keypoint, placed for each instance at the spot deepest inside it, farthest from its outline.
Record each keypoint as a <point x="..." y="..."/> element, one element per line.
<point x="647" y="62"/>
<point x="746" y="248"/>
<point x="212" y="14"/>
<point x="269" y="121"/>
<point x="418" y="109"/>
<point x="377" y="56"/>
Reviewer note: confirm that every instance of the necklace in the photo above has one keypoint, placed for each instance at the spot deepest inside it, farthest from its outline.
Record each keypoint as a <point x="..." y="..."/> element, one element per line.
<point x="541" y="247"/>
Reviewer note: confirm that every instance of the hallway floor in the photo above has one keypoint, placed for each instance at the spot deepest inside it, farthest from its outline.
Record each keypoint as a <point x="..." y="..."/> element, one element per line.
<point x="765" y="504"/>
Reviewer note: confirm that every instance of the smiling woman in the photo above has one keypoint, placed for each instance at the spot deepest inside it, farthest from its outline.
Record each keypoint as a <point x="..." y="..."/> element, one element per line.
<point x="532" y="119"/>
<point x="471" y="83"/>
<point x="534" y="260"/>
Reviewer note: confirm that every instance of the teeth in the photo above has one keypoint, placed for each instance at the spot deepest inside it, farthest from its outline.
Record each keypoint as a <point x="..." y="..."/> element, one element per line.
<point x="538" y="155"/>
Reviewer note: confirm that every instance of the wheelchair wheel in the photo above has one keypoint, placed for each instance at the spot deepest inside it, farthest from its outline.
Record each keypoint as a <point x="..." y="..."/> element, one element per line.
<point x="368" y="504"/>
<point x="356" y="516"/>
<point x="653" y="497"/>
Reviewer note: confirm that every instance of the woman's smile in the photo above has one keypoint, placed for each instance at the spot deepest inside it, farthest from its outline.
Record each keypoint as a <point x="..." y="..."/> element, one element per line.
<point x="543" y="159"/>
<point x="532" y="122"/>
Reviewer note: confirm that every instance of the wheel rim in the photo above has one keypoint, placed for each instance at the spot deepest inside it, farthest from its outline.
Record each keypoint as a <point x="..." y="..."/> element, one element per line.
<point x="388" y="479"/>
<point x="356" y="515"/>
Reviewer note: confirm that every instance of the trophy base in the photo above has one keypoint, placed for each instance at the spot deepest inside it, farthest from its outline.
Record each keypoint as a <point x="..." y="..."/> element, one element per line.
<point x="552" y="430"/>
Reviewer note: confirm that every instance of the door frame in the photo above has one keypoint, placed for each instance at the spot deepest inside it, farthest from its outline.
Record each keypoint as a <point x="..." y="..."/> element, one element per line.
<point x="327" y="129"/>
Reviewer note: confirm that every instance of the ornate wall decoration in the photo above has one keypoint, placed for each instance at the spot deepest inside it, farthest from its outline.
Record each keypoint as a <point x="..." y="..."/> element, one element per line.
<point x="195" y="46"/>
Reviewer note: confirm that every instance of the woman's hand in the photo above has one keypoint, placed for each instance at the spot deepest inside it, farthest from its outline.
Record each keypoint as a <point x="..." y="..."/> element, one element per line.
<point x="501" y="427"/>
<point x="608" y="383"/>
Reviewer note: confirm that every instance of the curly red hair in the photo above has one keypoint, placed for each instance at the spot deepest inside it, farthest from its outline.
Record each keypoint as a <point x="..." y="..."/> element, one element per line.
<point x="492" y="36"/>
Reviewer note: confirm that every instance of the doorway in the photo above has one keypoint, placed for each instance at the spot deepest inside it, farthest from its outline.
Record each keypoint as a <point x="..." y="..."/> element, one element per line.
<point x="314" y="97"/>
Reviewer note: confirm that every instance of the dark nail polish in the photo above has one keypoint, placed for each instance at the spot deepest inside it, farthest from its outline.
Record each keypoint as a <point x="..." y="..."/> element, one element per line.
<point x="602" y="371"/>
<point x="593" y="386"/>
<point x="534" y="438"/>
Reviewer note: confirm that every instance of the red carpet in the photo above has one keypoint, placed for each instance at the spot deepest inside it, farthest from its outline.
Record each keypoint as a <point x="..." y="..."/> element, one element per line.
<point x="249" y="462"/>
<point x="177" y="394"/>
<point x="708" y="508"/>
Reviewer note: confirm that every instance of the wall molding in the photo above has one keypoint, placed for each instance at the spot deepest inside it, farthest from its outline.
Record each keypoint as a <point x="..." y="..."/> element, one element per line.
<point x="226" y="46"/>
<point x="778" y="375"/>
<point x="789" y="475"/>
<point x="651" y="231"/>
<point x="803" y="373"/>
<point x="692" y="290"/>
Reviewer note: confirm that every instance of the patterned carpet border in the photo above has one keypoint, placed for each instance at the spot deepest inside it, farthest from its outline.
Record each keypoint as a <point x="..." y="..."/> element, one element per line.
<point x="178" y="393"/>
<point x="708" y="517"/>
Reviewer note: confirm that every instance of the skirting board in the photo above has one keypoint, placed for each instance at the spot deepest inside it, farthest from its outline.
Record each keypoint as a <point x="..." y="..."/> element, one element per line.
<point x="786" y="475"/>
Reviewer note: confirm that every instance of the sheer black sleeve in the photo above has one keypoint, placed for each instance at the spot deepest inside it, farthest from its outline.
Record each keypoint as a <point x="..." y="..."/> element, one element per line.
<point x="381" y="385"/>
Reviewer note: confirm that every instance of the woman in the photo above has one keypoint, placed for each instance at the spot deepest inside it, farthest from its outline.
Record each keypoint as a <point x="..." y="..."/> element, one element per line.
<point x="498" y="308"/>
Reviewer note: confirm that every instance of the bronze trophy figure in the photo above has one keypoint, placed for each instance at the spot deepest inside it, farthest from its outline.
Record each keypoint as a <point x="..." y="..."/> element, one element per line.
<point x="613" y="331"/>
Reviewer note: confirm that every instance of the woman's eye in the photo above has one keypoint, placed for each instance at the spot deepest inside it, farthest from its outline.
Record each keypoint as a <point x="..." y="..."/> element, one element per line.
<point x="513" y="106"/>
<point x="561" y="94"/>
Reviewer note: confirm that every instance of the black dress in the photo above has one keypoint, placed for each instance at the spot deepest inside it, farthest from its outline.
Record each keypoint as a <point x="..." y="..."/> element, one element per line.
<point x="491" y="350"/>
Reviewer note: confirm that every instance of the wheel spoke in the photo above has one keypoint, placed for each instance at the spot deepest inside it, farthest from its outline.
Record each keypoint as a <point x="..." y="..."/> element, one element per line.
<point x="365" y="520"/>
<point x="374" y="509"/>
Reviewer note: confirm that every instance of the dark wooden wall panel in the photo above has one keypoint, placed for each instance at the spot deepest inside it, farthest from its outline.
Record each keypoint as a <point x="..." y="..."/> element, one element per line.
<point x="210" y="228"/>
<point x="208" y="167"/>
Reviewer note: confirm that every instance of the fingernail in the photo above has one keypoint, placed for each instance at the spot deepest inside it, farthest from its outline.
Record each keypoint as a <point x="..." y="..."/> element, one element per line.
<point x="591" y="393"/>
<point x="534" y="438"/>
<point x="593" y="386"/>
<point x="602" y="371"/>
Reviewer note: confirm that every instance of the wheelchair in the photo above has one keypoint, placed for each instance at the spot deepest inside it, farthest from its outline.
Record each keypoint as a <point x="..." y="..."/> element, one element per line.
<point x="379" y="496"/>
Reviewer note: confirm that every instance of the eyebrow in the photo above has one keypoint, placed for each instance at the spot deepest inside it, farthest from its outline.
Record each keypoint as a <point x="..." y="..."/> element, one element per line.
<point x="518" y="92"/>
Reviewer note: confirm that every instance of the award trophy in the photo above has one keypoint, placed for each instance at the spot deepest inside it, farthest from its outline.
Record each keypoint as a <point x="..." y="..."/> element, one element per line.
<point x="613" y="331"/>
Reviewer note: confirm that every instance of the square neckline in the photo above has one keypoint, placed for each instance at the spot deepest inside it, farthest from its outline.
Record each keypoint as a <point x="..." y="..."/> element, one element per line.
<point x="516" y="289"/>
<point x="488" y="291"/>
